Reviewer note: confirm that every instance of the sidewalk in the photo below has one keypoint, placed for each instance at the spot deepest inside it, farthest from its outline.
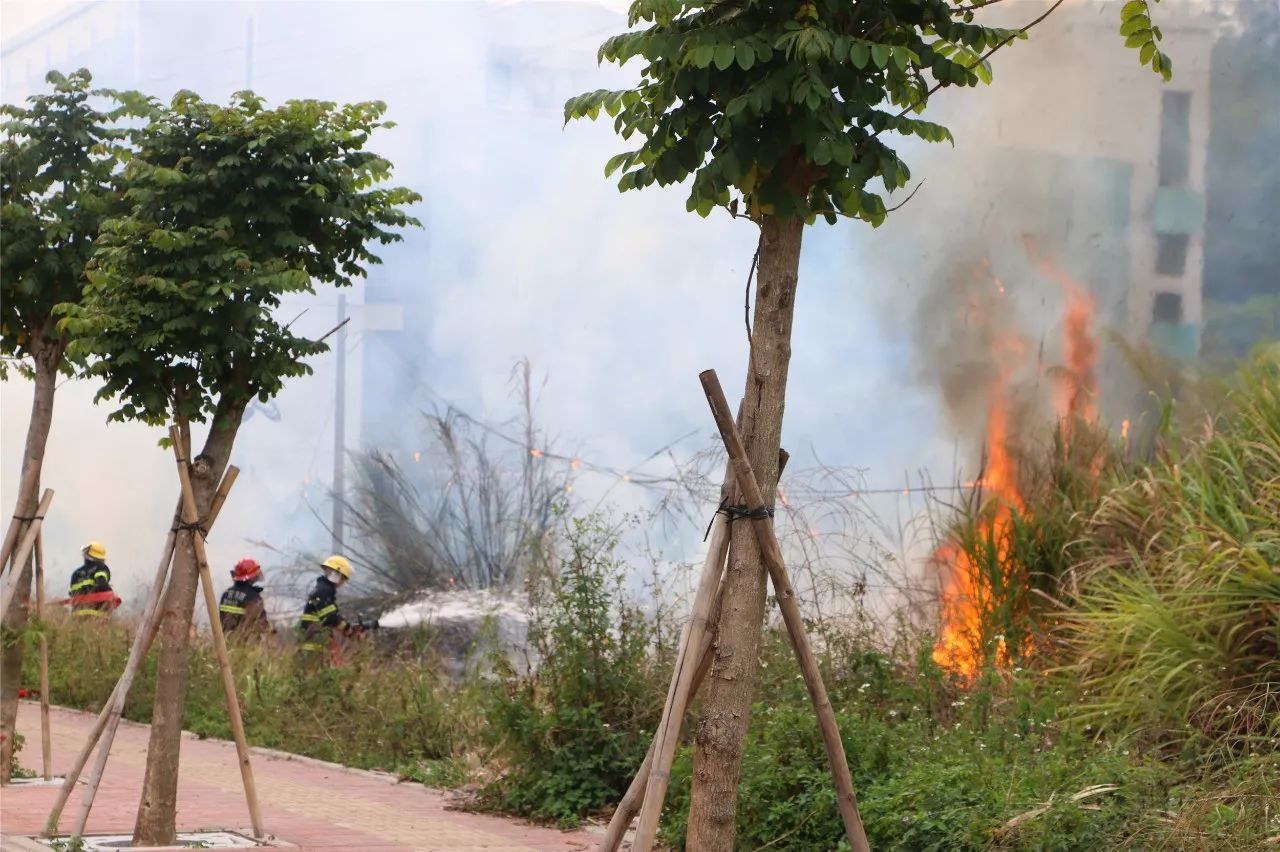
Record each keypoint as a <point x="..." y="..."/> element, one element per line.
<point x="313" y="805"/>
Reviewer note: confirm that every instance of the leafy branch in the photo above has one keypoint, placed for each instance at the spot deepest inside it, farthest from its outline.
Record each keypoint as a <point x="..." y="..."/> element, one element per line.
<point x="1142" y="35"/>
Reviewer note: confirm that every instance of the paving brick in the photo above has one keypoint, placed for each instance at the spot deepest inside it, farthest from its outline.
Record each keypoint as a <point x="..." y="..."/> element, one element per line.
<point x="313" y="805"/>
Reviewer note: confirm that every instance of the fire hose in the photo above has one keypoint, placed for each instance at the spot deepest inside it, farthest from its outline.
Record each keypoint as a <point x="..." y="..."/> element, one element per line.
<point x="91" y="598"/>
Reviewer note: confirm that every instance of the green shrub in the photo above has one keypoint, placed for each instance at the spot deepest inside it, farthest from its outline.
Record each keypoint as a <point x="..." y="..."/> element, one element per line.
<point x="574" y="731"/>
<point x="16" y="769"/>
<point x="374" y="712"/>
<point x="992" y="766"/>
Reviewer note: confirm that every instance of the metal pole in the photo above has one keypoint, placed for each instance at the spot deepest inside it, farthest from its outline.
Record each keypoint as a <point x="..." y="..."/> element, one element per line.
<point x="248" y="52"/>
<point x="339" y="427"/>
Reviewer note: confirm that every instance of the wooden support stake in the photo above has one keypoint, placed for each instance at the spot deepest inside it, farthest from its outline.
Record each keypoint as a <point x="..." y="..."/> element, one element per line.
<point x="707" y="612"/>
<point x="113" y="709"/>
<point x="631" y="801"/>
<point x="190" y="516"/>
<point x="23" y="553"/>
<point x="46" y="742"/>
<point x="668" y="734"/>
<point x="29" y="485"/>
<point x="772" y="554"/>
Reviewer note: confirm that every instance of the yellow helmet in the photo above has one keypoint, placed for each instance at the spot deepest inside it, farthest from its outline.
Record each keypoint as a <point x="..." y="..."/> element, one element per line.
<point x="339" y="564"/>
<point x="95" y="550"/>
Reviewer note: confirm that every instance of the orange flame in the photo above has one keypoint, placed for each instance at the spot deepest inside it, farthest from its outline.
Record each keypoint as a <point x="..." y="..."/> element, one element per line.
<point x="965" y="589"/>
<point x="1076" y="397"/>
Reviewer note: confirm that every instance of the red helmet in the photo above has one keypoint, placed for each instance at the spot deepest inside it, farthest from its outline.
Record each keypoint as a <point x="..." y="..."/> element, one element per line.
<point x="246" y="569"/>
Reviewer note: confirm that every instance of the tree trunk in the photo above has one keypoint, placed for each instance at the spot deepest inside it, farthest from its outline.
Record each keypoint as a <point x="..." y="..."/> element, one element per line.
<point x="15" y="621"/>
<point x="722" y="725"/>
<point x="156" y="821"/>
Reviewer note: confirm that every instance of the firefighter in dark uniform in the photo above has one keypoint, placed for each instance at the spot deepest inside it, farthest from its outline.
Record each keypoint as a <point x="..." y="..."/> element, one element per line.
<point x="90" y="590"/>
<point x="241" y="609"/>
<point x="320" y="616"/>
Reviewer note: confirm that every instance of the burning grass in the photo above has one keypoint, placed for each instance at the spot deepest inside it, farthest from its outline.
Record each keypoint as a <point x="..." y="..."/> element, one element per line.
<point x="1175" y="630"/>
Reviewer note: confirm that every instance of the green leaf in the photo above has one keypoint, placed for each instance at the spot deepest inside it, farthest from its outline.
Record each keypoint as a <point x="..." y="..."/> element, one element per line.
<point x="724" y="55"/>
<point x="746" y="56"/>
<point x="1131" y="26"/>
<point x="1138" y="39"/>
<point x="889" y="173"/>
<point x="860" y="54"/>
<point x="842" y="151"/>
<point x="821" y="155"/>
<point x="1132" y="9"/>
<point x="703" y="55"/>
<point x="1147" y="52"/>
<point x="880" y="54"/>
<point x="615" y="162"/>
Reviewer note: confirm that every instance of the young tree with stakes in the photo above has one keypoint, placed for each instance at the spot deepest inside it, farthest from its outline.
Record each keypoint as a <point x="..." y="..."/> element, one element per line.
<point x="59" y="161"/>
<point x="231" y="208"/>
<point x="782" y="113"/>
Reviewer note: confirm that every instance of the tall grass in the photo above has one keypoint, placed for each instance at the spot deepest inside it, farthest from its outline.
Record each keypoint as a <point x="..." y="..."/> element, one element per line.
<point x="376" y="712"/>
<point x="1175" y="631"/>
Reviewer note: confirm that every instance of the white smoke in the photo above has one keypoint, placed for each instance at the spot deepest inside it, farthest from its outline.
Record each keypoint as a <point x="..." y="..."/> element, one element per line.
<point x="527" y="251"/>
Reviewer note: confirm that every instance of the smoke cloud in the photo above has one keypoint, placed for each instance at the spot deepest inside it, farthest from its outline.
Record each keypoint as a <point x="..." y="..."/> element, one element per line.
<point x="619" y="301"/>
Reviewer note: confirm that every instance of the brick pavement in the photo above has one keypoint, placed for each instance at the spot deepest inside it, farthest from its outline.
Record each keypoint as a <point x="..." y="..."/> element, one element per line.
<point x="316" y="806"/>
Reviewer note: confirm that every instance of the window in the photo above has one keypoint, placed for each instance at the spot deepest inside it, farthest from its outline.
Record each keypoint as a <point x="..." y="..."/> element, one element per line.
<point x="1171" y="254"/>
<point x="1167" y="308"/>
<point x="1175" y="138"/>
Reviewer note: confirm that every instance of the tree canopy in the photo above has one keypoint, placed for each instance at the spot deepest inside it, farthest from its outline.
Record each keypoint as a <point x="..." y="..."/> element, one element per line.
<point x="782" y="108"/>
<point x="59" y="162"/>
<point x="229" y="209"/>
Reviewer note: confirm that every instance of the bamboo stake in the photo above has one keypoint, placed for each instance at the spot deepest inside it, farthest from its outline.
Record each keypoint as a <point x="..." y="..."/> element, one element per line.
<point x="772" y="554"/>
<point x="30" y="485"/>
<point x="219" y="643"/>
<point x="629" y="806"/>
<point x="113" y="709"/>
<point x="23" y="553"/>
<point x="668" y="734"/>
<point x="46" y="742"/>
<point x="674" y="712"/>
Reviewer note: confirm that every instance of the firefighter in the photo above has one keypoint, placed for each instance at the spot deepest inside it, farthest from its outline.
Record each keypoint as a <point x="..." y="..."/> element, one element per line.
<point x="320" y="616"/>
<point x="90" y="590"/>
<point x="241" y="608"/>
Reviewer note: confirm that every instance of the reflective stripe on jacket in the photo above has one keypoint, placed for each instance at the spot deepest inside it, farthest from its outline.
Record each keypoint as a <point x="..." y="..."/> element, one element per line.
<point x="320" y="616"/>
<point x="88" y="581"/>
<point x="241" y="609"/>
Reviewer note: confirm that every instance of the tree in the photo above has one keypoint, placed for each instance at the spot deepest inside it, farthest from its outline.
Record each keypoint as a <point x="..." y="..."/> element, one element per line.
<point x="58" y="180"/>
<point x="230" y="209"/>
<point x="781" y="112"/>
